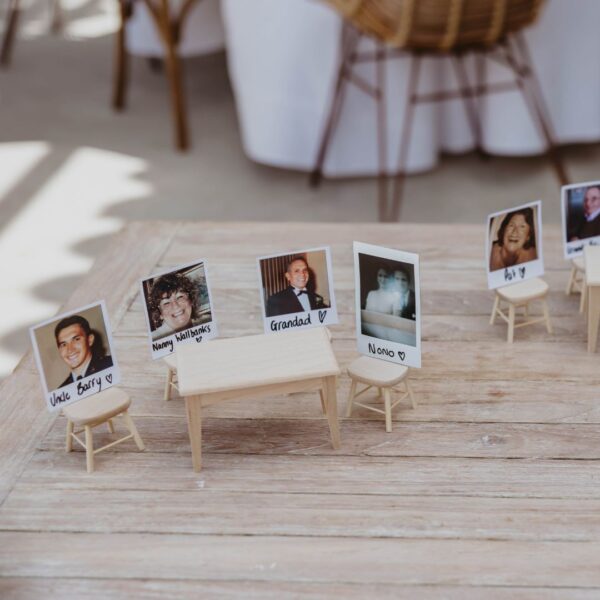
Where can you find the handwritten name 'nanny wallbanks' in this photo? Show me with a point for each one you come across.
(194, 332)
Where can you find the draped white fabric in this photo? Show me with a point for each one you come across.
(283, 59)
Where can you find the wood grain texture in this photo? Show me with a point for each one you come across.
(488, 489)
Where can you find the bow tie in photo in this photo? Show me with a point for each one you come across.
(302, 292)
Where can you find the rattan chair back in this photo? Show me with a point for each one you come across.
(438, 25)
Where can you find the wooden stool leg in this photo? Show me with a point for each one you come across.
(69, 436)
(511, 323)
(332, 417)
(121, 59)
(410, 394)
(583, 300)
(89, 449)
(111, 427)
(351, 398)
(323, 408)
(173, 65)
(593, 308)
(495, 309)
(9, 33)
(547, 316)
(132, 429)
(388, 409)
(571, 282)
(168, 384)
(526, 310)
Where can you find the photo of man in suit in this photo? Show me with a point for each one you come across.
(79, 348)
(297, 297)
(589, 226)
(404, 298)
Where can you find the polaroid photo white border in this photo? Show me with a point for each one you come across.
(200, 333)
(88, 386)
(523, 271)
(402, 354)
(305, 319)
(575, 249)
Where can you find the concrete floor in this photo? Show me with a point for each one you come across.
(74, 172)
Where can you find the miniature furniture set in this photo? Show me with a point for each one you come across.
(521, 295)
(592, 286)
(256, 366)
(94, 411)
(577, 281)
(385, 376)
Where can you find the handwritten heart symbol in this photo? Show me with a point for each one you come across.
(522, 271)
(199, 339)
(401, 355)
(322, 315)
(109, 378)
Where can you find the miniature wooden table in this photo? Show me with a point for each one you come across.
(255, 366)
(488, 489)
(592, 281)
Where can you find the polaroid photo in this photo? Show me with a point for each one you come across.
(296, 290)
(178, 308)
(514, 245)
(388, 304)
(74, 355)
(580, 208)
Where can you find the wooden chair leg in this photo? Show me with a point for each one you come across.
(89, 449)
(495, 309)
(413, 85)
(168, 384)
(410, 394)
(511, 323)
(133, 430)
(351, 398)
(526, 310)
(349, 41)
(9, 32)
(111, 427)
(57, 20)
(121, 59)
(69, 445)
(571, 282)
(173, 66)
(388, 409)
(583, 299)
(547, 316)
(322, 396)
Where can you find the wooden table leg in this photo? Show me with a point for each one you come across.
(593, 316)
(331, 406)
(193, 410)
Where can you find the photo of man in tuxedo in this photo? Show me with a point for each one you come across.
(404, 298)
(80, 349)
(589, 224)
(298, 295)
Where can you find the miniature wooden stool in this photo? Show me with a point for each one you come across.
(93, 411)
(172, 381)
(520, 295)
(577, 281)
(382, 375)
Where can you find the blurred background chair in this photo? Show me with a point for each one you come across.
(168, 30)
(453, 29)
(14, 9)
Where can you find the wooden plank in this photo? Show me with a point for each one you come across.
(112, 279)
(152, 589)
(275, 559)
(206, 511)
(310, 437)
(412, 476)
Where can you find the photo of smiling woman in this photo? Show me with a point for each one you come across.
(514, 238)
(177, 301)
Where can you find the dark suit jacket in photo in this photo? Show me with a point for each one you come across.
(409, 311)
(286, 302)
(97, 364)
(588, 229)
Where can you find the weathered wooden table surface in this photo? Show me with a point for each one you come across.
(489, 489)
